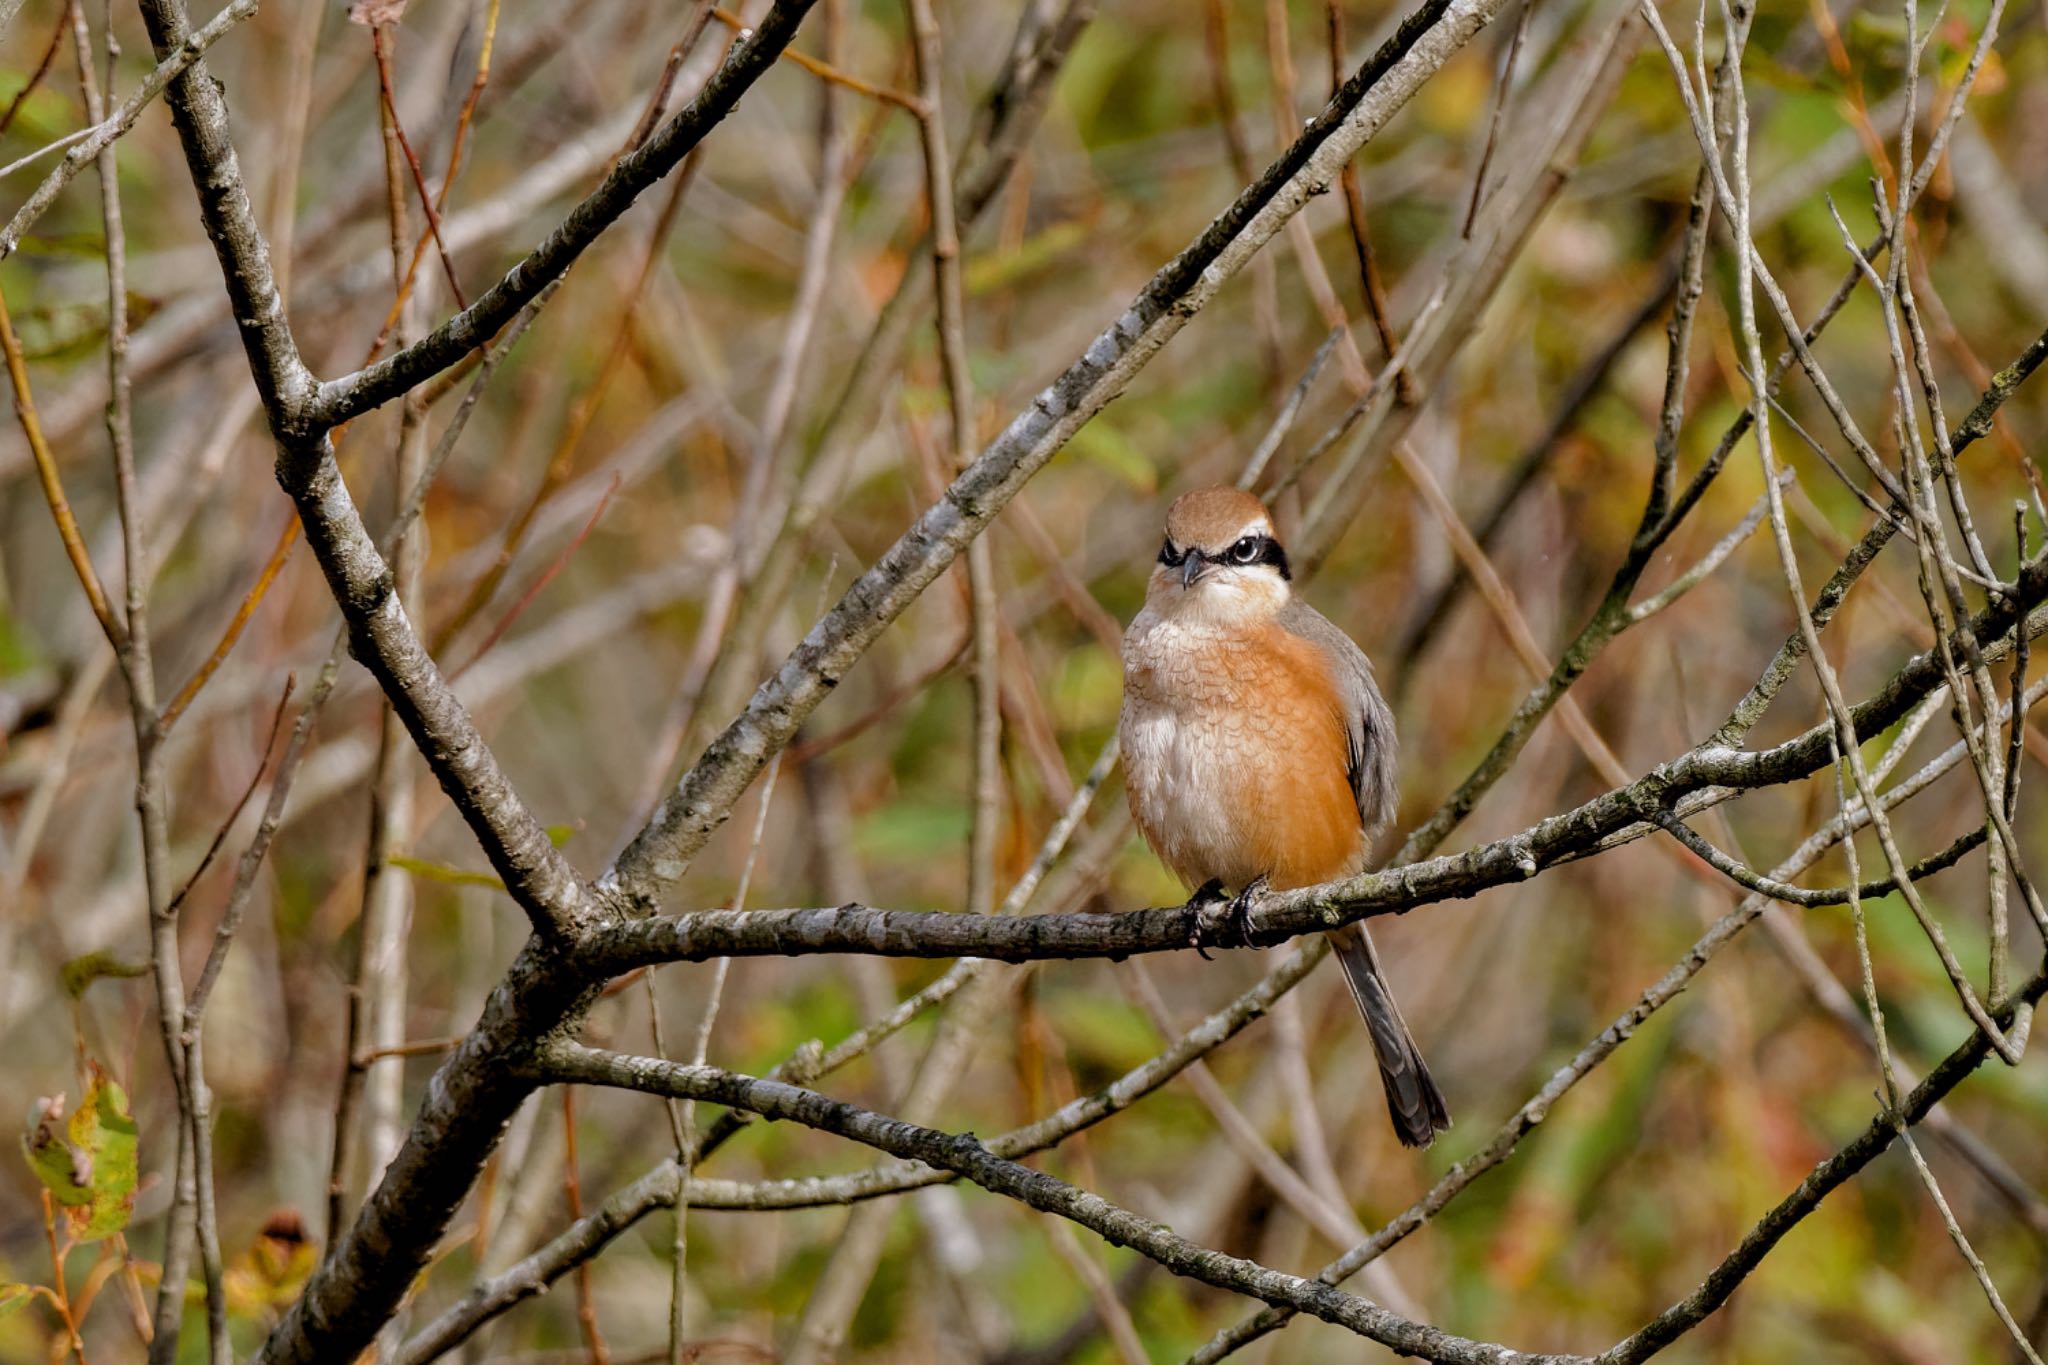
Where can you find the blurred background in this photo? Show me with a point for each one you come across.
(626, 426)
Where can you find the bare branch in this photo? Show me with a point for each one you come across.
(337, 400)
(1825, 1177)
(90, 142)
(964, 1156)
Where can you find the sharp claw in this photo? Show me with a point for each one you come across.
(1206, 898)
(1224, 917)
(1241, 906)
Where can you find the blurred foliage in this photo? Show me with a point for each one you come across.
(1638, 1182)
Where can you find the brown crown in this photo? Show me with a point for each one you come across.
(1210, 518)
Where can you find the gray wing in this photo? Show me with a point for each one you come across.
(1368, 724)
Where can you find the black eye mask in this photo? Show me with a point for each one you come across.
(1260, 549)
(1252, 549)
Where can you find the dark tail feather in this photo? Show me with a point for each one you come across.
(1413, 1102)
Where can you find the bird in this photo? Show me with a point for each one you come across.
(1258, 751)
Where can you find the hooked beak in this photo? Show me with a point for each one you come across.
(1192, 568)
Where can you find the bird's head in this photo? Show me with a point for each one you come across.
(1219, 561)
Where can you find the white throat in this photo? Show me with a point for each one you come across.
(1226, 598)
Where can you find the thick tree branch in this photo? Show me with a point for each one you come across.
(535, 872)
(382, 638)
(470, 1099)
(200, 111)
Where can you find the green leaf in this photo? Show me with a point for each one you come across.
(441, 872)
(105, 1130)
(81, 972)
(61, 1168)
(89, 1166)
(15, 1297)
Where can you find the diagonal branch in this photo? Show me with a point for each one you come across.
(338, 400)
(535, 872)
(102, 135)
(1881, 1132)
(200, 111)
(373, 1265)
(1538, 1108)
(962, 1154)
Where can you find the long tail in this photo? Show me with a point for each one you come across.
(1414, 1103)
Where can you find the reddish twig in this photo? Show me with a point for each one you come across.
(562, 462)
(572, 1189)
(35, 79)
(1354, 214)
(255, 780)
(467, 114)
(1500, 105)
(57, 1293)
(547, 576)
(422, 1048)
(381, 46)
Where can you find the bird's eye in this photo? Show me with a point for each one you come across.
(1246, 551)
(1169, 556)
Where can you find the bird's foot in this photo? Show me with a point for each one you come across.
(1220, 919)
(1240, 913)
(1207, 901)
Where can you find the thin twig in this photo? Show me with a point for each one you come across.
(380, 43)
(87, 148)
(1502, 86)
(572, 1190)
(687, 1146)
(246, 609)
(825, 70)
(235, 812)
(1369, 284)
(53, 484)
